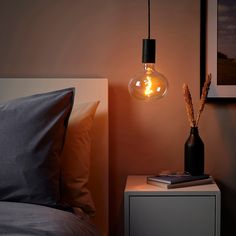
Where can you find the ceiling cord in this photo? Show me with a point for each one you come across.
(148, 19)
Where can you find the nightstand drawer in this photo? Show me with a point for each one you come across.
(154, 211)
(167, 215)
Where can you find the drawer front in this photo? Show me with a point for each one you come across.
(172, 216)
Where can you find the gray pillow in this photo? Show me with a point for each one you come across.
(32, 132)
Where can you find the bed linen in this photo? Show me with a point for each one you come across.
(23, 219)
(32, 134)
(76, 158)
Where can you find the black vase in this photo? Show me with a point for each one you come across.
(194, 153)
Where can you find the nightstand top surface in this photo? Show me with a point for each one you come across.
(138, 183)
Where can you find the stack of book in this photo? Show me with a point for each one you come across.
(179, 181)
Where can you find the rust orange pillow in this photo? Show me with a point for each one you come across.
(76, 158)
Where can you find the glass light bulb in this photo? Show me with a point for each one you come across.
(149, 85)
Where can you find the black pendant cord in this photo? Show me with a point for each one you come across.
(149, 45)
(149, 19)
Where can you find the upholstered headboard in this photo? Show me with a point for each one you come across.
(87, 89)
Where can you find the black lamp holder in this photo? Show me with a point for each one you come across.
(149, 45)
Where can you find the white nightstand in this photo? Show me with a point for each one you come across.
(154, 211)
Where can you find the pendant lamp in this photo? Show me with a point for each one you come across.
(149, 84)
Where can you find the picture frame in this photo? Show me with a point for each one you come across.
(213, 50)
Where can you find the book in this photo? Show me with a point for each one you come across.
(175, 178)
(169, 182)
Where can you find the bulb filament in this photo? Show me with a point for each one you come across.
(148, 86)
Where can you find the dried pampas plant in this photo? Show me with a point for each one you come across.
(189, 104)
(205, 89)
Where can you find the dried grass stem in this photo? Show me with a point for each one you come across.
(189, 104)
(205, 89)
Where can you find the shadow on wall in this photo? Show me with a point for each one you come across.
(125, 128)
(228, 209)
(227, 184)
(118, 97)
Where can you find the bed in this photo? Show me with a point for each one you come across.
(71, 204)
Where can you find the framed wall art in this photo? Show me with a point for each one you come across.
(218, 48)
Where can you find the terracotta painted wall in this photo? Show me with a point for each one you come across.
(103, 38)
